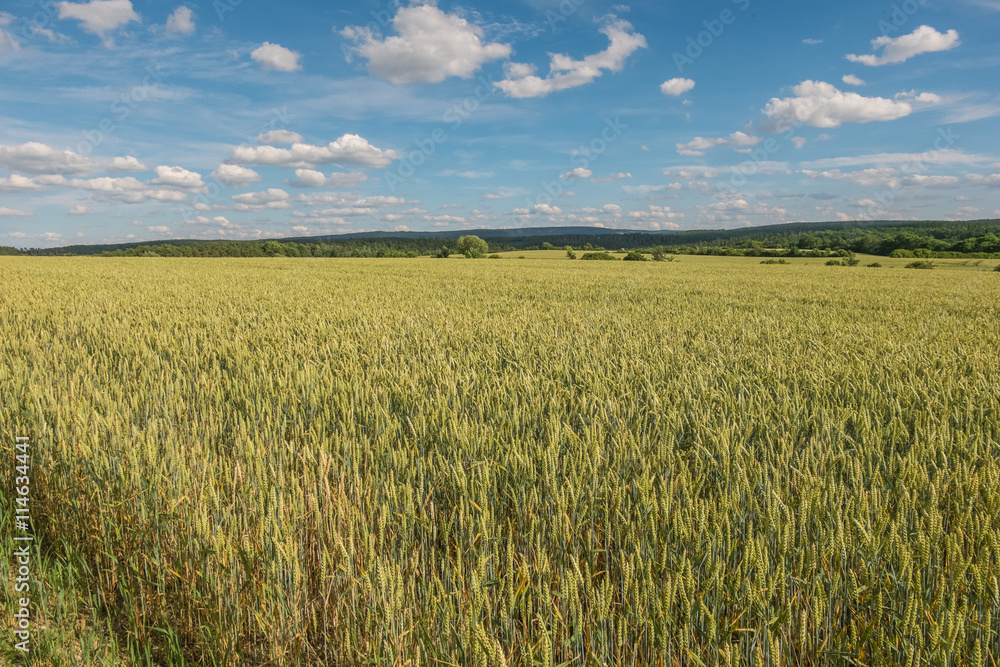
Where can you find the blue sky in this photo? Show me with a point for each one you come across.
(235, 119)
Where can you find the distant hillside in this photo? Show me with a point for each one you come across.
(980, 238)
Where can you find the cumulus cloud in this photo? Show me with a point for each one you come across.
(276, 57)
(277, 137)
(564, 72)
(235, 176)
(579, 172)
(348, 149)
(430, 47)
(310, 178)
(126, 164)
(80, 209)
(852, 80)
(676, 87)
(19, 183)
(217, 221)
(741, 142)
(36, 158)
(127, 190)
(272, 198)
(177, 177)
(924, 39)
(99, 17)
(657, 217)
(820, 104)
(181, 22)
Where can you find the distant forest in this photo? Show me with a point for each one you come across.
(978, 239)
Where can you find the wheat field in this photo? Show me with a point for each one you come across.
(517, 462)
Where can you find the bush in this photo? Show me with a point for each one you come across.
(548, 246)
(443, 252)
(598, 255)
(775, 261)
(900, 253)
(920, 264)
(874, 265)
(998, 268)
(635, 256)
(569, 253)
(834, 262)
(495, 257)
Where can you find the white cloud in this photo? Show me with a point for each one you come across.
(235, 176)
(738, 141)
(80, 209)
(820, 104)
(658, 217)
(799, 142)
(6, 18)
(275, 137)
(610, 178)
(348, 149)
(36, 158)
(579, 172)
(944, 156)
(852, 80)
(217, 221)
(992, 180)
(127, 164)
(127, 190)
(19, 183)
(177, 177)
(13, 212)
(159, 229)
(272, 198)
(811, 41)
(924, 39)
(885, 177)
(564, 72)
(676, 86)
(181, 22)
(430, 47)
(546, 209)
(309, 178)
(276, 57)
(99, 16)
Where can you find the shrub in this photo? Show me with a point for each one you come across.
(997, 268)
(569, 253)
(900, 253)
(775, 261)
(598, 255)
(874, 265)
(635, 256)
(920, 264)
(495, 257)
(834, 262)
(548, 246)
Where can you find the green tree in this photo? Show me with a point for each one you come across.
(472, 246)
(569, 252)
